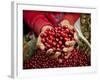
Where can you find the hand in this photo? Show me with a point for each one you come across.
(52, 54)
(71, 43)
(39, 44)
(71, 27)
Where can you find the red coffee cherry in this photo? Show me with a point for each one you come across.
(50, 41)
(60, 42)
(40, 60)
(43, 40)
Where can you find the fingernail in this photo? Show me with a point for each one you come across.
(65, 49)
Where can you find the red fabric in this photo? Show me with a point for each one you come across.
(71, 17)
(54, 18)
(37, 19)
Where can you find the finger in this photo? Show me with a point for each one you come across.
(70, 43)
(56, 55)
(49, 51)
(68, 49)
(68, 55)
(70, 27)
(76, 36)
(40, 44)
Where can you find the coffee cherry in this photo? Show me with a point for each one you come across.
(53, 33)
(57, 39)
(60, 60)
(51, 37)
(58, 46)
(67, 30)
(58, 49)
(45, 35)
(43, 40)
(50, 41)
(61, 38)
(48, 45)
(60, 42)
(66, 39)
(54, 43)
(58, 35)
(41, 35)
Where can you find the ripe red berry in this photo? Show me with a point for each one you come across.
(48, 45)
(67, 30)
(58, 49)
(61, 37)
(58, 45)
(53, 33)
(54, 48)
(41, 35)
(50, 41)
(66, 39)
(54, 43)
(60, 42)
(51, 37)
(43, 40)
(45, 35)
(57, 39)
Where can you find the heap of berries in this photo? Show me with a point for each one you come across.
(55, 38)
(40, 60)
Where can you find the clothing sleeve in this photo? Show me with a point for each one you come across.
(71, 17)
(35, 20)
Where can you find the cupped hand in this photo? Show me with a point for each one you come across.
(39, 44)
(66, 23)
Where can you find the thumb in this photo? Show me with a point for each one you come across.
(68, 49)
(40, 44)
(70, 43)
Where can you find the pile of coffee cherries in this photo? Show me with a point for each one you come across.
(40, 60)
(55, 38)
